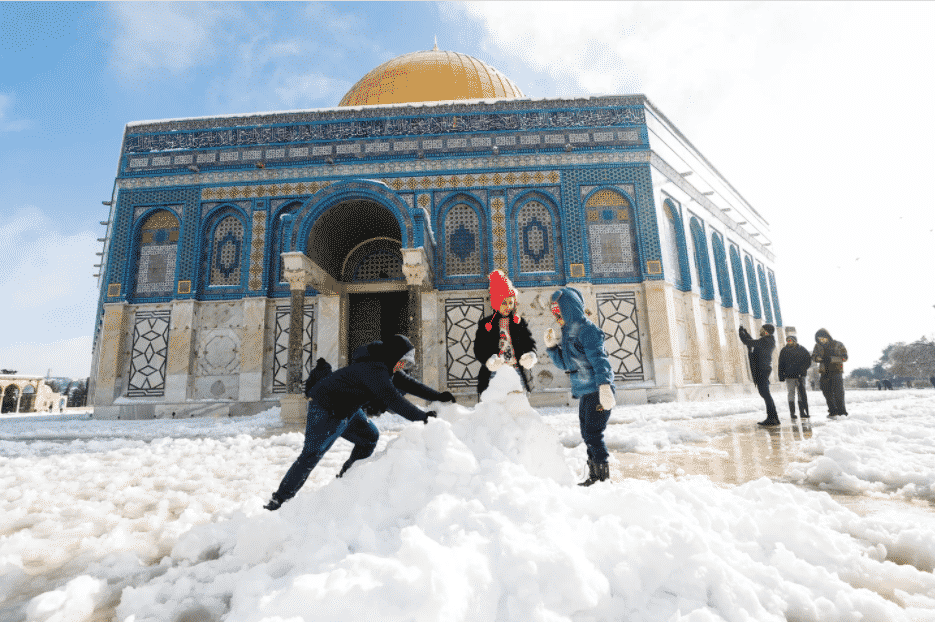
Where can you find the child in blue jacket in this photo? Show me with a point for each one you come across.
(580, 352)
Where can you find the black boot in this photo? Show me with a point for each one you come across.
(770, 420)
(274, 503)
(803, 409)
(792, 410)
(592, 473)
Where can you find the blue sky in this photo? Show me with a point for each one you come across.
(818, 113)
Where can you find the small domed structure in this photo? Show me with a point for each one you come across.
(430, 75)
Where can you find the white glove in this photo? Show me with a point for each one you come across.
(528, 360)
(550, 339)
(606, 397)
(495, 362)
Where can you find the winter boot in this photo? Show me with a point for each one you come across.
(592, 474)
(803, 409)
(770, 420)
(274, 503)
(792, 410)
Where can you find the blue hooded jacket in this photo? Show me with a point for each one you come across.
(581, 352)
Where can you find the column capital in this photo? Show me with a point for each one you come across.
(416, 268)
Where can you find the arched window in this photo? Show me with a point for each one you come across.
(226, 255)
(676, 255)
(158, 249)
(276, 244)
(535, 243)
(464, 246)
(751, 286)
(612, 235)
(702, 264)
(772, 289)
(737, 268)
(764, 291)
(720, 268)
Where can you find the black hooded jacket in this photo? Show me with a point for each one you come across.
(405, 383)
(367, 380)
(761, 354)
(794, 361)
(487, 343)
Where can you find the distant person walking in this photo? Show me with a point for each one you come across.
(831, 356)
(794, 361)
(932, 380)
(887, 385)
(760, 352)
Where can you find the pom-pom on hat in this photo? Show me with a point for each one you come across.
(500, 288)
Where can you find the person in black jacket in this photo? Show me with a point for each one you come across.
(794, 361)
(335, 410)
(503, 338)
(761, 366)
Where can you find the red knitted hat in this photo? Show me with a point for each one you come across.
(500, 288)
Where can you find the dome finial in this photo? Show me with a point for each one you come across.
(435, 49)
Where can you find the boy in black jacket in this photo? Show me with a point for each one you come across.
(794, 361)
(761, 365)
(335, 410)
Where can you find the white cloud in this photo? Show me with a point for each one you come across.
(50, 295)
(10, 125)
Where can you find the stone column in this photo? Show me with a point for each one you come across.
(292, 405)
(19, 396)
(178, 365)
(663, 338)
(251, 349)
(328, 328)
(113, 336)
(699, 319)
(432, 336)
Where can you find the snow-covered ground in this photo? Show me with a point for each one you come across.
(475, 516)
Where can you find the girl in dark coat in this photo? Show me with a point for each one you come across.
(503, 338)
(794, 361)
(761, 365)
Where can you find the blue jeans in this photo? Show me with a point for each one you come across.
(322, 429)
(593, 420)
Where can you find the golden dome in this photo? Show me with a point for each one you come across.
(431, 75)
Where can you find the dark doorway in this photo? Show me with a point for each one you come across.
(376, 316)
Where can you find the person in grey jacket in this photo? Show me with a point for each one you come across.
(580, 353)
(794, 361)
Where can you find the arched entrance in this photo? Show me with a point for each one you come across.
(359, 244)
(11, 398)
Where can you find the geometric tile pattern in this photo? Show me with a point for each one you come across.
(462, 238)
(499, 233)
(226, 258)
(617, 317)
(281, 346)
(159, 238)
(263, 190)
(612, 250)
(461, 318)
(256, 250)
(150, 349)
(438, 182)
(534, 233)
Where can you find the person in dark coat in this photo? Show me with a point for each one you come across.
(760, 352)
(581, 354)
(887, 385)
(335, 410)
(503, 338)
(794, 361)
(830, 356)
(932, 380)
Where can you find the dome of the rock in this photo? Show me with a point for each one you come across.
(430, 75)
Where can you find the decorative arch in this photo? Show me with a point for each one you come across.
(677, 256)
(775, 295)
(156, 239)
(537, 247)
(764, 292)
(751, 286)
(611, 224)
(225, 248)
(737, 268)
(464, 251)
(720, 269)
(701, 259)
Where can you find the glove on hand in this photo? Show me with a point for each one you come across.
(431, 414)
(447, 397)
(495, 362)
(528, 360)
(606, 397)
(551, 340)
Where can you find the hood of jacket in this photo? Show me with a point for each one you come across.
(571, 303)
(823, 333)
(388, 352)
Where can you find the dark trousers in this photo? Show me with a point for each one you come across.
(321, 431)
(832, 386)
(593, 419)
(762, 387)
